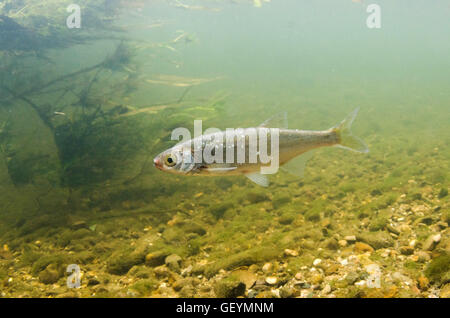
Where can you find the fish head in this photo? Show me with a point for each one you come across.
(178, 160)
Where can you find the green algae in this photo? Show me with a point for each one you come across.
(438, 270)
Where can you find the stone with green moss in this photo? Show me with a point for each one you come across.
(438, 270)
(229, 287)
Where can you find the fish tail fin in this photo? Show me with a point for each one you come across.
(346, 139)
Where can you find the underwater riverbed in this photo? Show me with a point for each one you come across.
(78, 185)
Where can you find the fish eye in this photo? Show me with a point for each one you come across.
(170, 161)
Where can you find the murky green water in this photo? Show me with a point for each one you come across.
(84, 111)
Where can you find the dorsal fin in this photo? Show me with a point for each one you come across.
(276, 121)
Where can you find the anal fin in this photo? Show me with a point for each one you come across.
(258, 179)
(296, 166)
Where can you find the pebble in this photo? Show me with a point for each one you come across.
(363, 247)
(271, 280)
(423, 282)
(350, 238)
(289, 252)
(406, 250)
(267, 267)
(326, 290)
(423, 256)
(431, 242)
(317, 261)
(173, 262)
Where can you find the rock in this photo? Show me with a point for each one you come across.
(351, 278)
(377, 240)
(181, 283)
(229, 287)
(423, 257)
(442, 193)
(187, 271)
(299, 276)
(162, 272)
(423, 282)
(246, 277)
(332, 244)
(267, 267)
(362, 247)
(431, 242)
(350, 238)
(326, 290)
(289, 252)
(281, 199)
(445, 291)
(316, 279)
(173, 262)
(79, 225)
(342, 243)
(399, 277)
(406, 250)
(286, 292)
(93, 282)
(155, 259)
(271, 280)
(317, 261)
(438, 270)
(121, 263)
(257, 197)
(50, 275)
(392, 229)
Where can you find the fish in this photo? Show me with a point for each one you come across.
(294, 149)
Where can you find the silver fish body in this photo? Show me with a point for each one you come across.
(234, 151)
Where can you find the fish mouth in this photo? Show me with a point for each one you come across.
(157, 163)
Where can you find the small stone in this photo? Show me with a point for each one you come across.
(267, 267)
(49, 275)
(79, 225)
(229, 287)
(155, 259)
(299, 276)
(445, 291)
(406, 250)
(423, 256)
(363, 247)
(342, 243)
(317, 261)
(316, 279)
(286, 292)
(271, 280)
(351, 278)
(289, 252)
(246, 277)
(431, 242)
(173, 262)
(350, 238)
(392, 229)
(326, 290)
(423, 282)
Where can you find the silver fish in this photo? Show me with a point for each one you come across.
(293, 149)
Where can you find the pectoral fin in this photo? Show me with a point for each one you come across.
(221, 169)
(258, 179)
